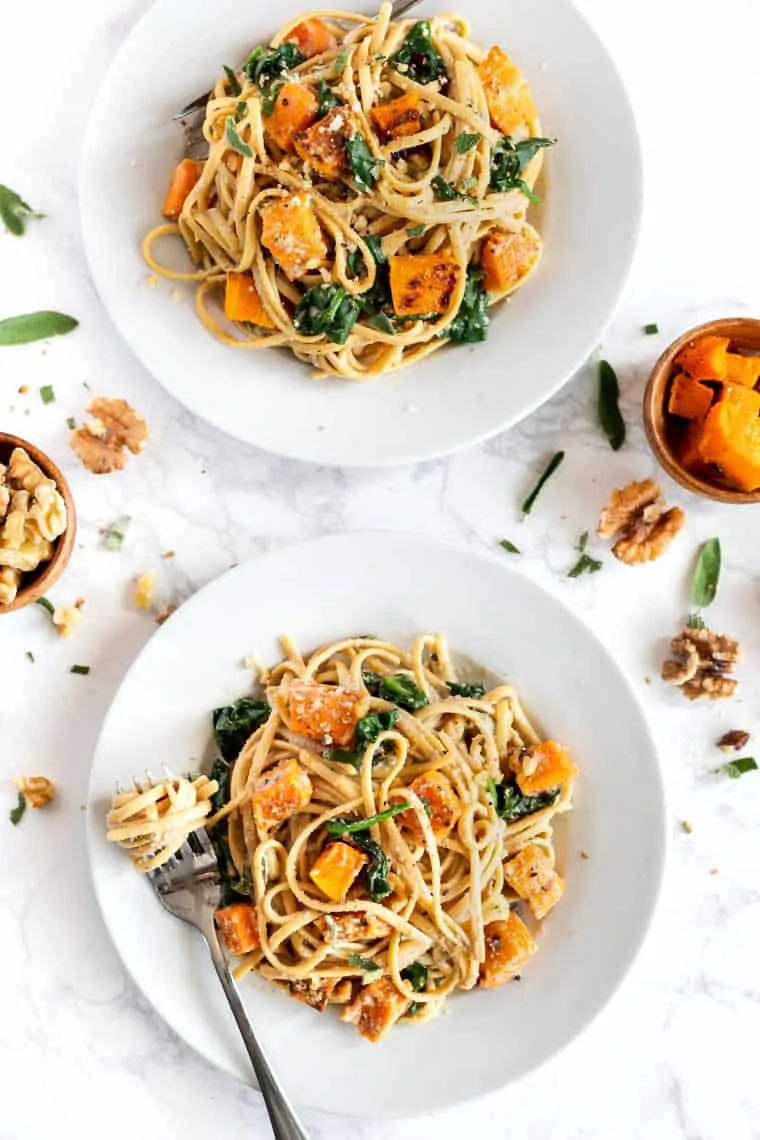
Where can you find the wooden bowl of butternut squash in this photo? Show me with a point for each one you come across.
(702, 410)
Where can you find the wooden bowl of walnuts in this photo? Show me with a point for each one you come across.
(37, 523)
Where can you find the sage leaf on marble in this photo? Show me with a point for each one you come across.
(35, 326)
(704, 585)
(610, 416)
(15, 212)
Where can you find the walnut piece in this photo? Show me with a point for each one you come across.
(36, 790)
(733, 741)
(103, 441)
(701, 664)
(143, 590)
(637, 513)
(32, 517)
(67, 618)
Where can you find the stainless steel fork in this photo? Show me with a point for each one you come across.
(189, 887)
(191, 117)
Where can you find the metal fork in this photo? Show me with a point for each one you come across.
(189, 887)
(191, 117)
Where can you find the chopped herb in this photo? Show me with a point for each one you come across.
(466, 141)
(71, 422)
(46, 605)
(511, 804)
(80, 670)
(355, 261)
(585, 565)
(114, 537)
(233, 724)
(736, 768)
(35, 326)
(426, 804)
(365, 168)
(234, 139)
(17, 813)
(383, 323)
(467, 689)
(47, 395)
(582, 543)
(651, 330)
(694, 621)
(30, 656)
(240, 110)
(327, 310)
(399, 688)
(551, 467)
(341, 61)
(444, 191)
(232, 79)
(508, 163)
(510, 547)
(378, 56)
(470, 325)
(610, 416)
(468, 183)
(416, 231)
(326, 98)
(417, 57)
(14, 211)
(704, 585)
(339, 827)
(364, 964)
(264, 65)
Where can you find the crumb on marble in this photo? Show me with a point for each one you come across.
(647, 680)
(165, 614)
(714, 871)
(36, 790)
(687, 825)
(151, 281)
(143, 590)
(168, 554)
(584, 855)
(24, 388)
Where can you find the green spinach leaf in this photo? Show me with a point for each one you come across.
(399, 688)
(234, 139)
(15, 212)
(338, 827)
(508, 162)
(233, 724)
(327, 310)
(470, 325)
(466, 141)
(376, 871)
(511, 804)
(264, 65)
(232, 79)
(365, 964)
(444, 191)
(736, 768)
(418, 58)
(365, 168)
(326, 98)
(467, 689)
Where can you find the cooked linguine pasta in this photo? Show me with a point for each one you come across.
(364, 197)
(383, 827)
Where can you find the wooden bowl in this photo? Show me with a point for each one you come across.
(36, 584)
(660, 428)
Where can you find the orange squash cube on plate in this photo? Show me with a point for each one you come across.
(279, 793)
(238, 927)
(398, 118)
(509, 945)
(323, 146)
(295, 109)
(742, 369)
(729, 438)
(443, 804)
(311, 37)
(422, 282)
(325, 713)
(545, 766)
(510, 103)
(290, 230)
(336, 869)
(243, 303)
(376, 1009)
(705, 358)
(184, 177)
(531, 874)
(507, 257)
(688, 398)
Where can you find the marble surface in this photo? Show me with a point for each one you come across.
(674, 1056)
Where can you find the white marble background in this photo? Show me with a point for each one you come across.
(675, 1056)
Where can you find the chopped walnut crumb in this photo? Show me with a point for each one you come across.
(733, 741)
(714, 871)
(143, 591)
(101, 443)
(168, 554)
(687, 825)
(701, 663)
(584, 855)
(23, 389)
(67, 618)
(165, 614)
(645, 526)
(36, 790)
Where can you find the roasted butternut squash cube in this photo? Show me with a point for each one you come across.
(311, 37)
(742, 369)
(509, 945)
(688, 398)
(326, 713)
(398, 118)
(184, 177)
(335, 870)
(508, 257)
(510, 103)
(544, 766)
(443, 804)
(294, 111)
(291, 232)
(279, 793)
(315, 992)
(376, 1009)
(728, 442)
(243, 303)
(238, 927)
(530, 873)
(353, 926)
(323, 146)
(423, 282)
(705, 358)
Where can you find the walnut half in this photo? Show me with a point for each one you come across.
(103, 441)
(701, 664)
(637, 513)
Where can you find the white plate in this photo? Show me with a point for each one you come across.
(396, 586)
(461, 395)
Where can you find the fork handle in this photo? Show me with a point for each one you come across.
(282, 1115)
